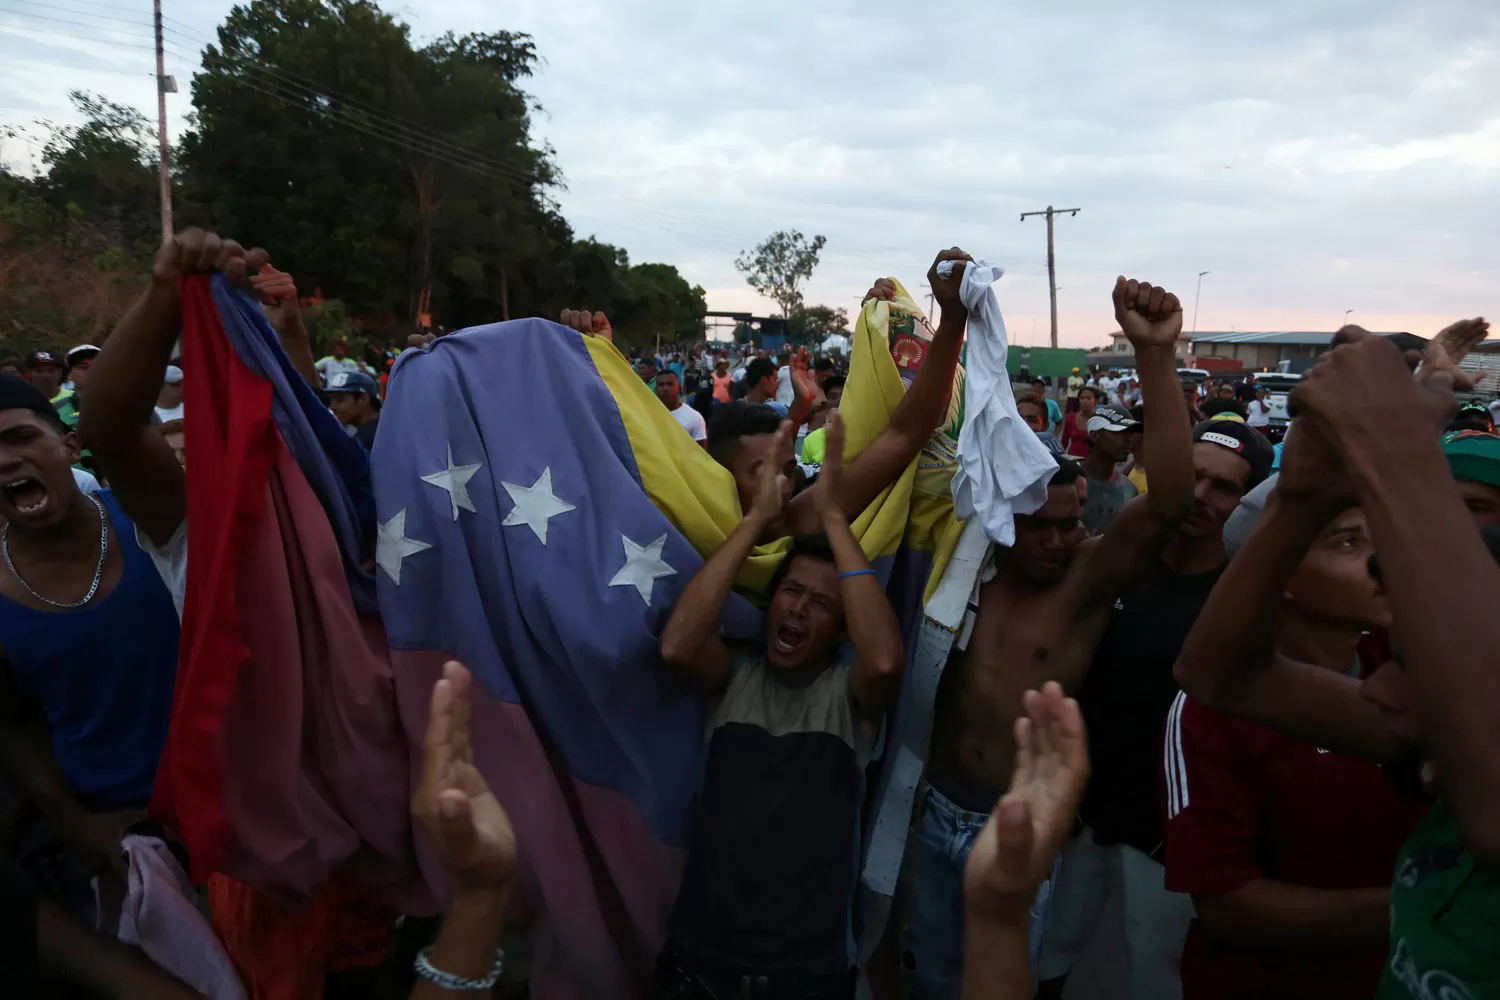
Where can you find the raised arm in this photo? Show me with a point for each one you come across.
(690, 641)
(872, 623)
(1151, 318)
(116, 419)
(1438, 574)
(918, 414)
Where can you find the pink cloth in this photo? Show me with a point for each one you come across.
(316, 773)
(158, 915)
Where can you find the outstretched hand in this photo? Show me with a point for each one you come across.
(590, 324)
(1148, 316)
(466, 823)
(1016, 849)
(196, 251)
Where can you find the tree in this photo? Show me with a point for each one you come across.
(779, 264)
(814, 324)
(105, 170)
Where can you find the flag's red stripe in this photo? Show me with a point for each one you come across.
(231, 441)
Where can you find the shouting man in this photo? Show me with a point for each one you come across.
(769, 881)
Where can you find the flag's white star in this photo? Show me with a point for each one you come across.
(392, 546)
(643, 567)
(535, 505)
(455, 479)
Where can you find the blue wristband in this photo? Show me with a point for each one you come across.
(856, 572)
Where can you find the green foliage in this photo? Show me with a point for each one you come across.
(377, 169)
(779, 264)
(327, 322)
(814, 324)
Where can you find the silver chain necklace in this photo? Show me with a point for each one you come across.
(98, 570)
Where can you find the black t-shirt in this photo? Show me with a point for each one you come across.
(1125, 703)
(365, 434)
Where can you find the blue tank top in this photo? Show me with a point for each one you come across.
(104, 674)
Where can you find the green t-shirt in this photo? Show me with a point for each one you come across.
(1445, 918)
(812, 448)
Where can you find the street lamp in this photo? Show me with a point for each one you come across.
(1198, 295)
(1346, 317)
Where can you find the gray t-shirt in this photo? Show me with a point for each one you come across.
(1104, 502)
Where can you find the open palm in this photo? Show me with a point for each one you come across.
(1014, 852)
(467, 824)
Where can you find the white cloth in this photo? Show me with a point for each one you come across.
(1003, 470)
(784, 393)
(1258, 417)
(692, 421)
(164, 414)
(329, 364)
(86, 481)
(170, 561)
(158, 915)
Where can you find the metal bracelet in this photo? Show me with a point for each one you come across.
(448, 981)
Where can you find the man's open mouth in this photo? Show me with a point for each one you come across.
(26, 494)
(788, 638)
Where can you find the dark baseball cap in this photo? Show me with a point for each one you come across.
(1230, 431)
(38, 358)
(18, 394)
(353, 382)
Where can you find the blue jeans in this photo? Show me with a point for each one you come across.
(933, 936)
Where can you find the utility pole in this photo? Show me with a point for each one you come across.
(164, 85)
(1196, 296)
(1050, 212)
(931, 301)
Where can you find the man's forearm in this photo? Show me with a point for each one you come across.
(1441, 582)
(872, 623)
(1232, 636)
(996, 966)
(126, 376)
(696, 617)
(469, 940)
(1168, 434)
(1279, 914)
(922, 408)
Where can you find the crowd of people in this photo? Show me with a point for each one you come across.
(1221, 701)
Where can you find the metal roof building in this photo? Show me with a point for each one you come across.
(1265, 349)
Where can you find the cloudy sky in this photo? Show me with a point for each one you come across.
(1313, 155)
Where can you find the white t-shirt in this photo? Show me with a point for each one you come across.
(1258, 417)
(328, 365)
(784, 393)
(692, 421)
(163, 414)
(171, 562)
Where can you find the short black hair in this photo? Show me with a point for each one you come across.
(1094, 391)
(665, 372)
(759, 369)
(823, 365)
(1214, 407)
(834, 382)
(813, 546)
(1068, 472)
(735, 420)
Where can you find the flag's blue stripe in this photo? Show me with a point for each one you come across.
(335, 464)
(538, 624)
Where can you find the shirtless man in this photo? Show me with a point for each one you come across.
(1038, 618)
